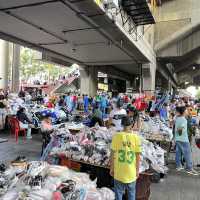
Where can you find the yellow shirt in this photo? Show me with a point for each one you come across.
(125, 146)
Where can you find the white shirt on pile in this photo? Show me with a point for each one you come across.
(116, 118)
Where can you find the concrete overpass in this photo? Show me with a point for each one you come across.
(78, 31)
(177, 39)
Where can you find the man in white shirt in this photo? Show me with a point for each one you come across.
(117, 114)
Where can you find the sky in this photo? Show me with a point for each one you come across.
(192, 90)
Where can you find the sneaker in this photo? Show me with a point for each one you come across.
(179, 169)
(192, 172)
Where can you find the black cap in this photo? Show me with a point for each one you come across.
(126, 121)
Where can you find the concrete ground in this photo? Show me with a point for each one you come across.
(176, 186)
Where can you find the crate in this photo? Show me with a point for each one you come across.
(143, 185)
(70, 164)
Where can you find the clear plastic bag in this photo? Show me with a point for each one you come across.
(93, 194)
(107, 194)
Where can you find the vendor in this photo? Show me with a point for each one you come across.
(46, 124)
(97, 116)
(134, 117)
(28, 98)
(116, 115)
(24, 121)
(125, 160)
(46, 130)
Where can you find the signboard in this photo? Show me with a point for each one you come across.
(102, 75)
(102, 86)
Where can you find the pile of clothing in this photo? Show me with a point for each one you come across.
(152, 157)
(92, 145)
(41, 181)
(153, 126)
(35, 111)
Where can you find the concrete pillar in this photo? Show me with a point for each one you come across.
(169, 86)
(149, 75)
(4, 63)
(84, 81)
(128, 84)
(88, 80)
(93, 82)
(15, 68)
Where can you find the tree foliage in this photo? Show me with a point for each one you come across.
(32, 68)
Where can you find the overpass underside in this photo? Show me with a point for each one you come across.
(79, 31)
(177, 42)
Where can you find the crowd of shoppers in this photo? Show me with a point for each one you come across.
(122, 113)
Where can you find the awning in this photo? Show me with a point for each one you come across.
(139, 11)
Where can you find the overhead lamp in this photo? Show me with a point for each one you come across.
(137, 78)
(193, 67)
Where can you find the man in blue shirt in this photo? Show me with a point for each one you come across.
(86, 103)
(103, 104)
(68, 102)
(182, 142)
(163, 113)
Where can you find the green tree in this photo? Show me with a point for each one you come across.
(30, 67)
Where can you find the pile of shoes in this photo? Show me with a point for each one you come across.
(7, 178)
(52, 183)
(89, 145)
(153, 127)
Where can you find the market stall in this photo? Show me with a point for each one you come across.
(88, 150)
(158, 132)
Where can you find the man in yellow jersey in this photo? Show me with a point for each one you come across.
(125, 160)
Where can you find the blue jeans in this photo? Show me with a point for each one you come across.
(120, 188)
(103, 110)
(73, 106)
(183, 148)
(86, 109)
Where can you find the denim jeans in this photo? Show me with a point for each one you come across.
(183, 148)
(85, 109)
(120, 188)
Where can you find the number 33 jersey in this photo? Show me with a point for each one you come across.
(125, 147)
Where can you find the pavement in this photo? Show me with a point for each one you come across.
(175, 186)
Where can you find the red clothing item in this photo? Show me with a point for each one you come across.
(140, 104)
(50, 105)
(74, 98)
(126, 99)
(57, 196)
